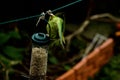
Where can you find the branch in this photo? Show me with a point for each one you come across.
(7, 75)
(81, 29)
(85, 24)
(108, 15)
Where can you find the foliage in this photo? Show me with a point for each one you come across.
(10, 54)
(110, 71)
(62, 60)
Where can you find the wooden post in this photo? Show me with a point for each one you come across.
(38, 65)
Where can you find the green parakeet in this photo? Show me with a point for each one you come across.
(55, 28)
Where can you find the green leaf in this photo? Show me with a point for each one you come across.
(13, 53)
(15, 34)
(4, 38)
(4, 60)
(7, 62)
(53, 60)
(67, 67)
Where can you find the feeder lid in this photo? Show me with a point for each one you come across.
(40, 39)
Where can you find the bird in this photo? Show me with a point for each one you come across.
(56, 27)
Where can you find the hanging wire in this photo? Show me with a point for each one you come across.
(66, 5)
(20, 19)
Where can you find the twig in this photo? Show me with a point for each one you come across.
(108, 15)
(85, 24)
(81, 29)
(21, 73)
(24, 67)
(90, 8)
(7, 75)
(76, 57)
(2, 64)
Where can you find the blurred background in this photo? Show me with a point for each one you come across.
(15, 37)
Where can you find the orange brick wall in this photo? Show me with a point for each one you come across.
(91, 64)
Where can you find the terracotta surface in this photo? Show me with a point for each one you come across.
(91, 64)
(70, 75)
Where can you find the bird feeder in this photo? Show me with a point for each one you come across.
(38, 64)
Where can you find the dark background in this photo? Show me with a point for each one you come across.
(13, 9)
(19, 8)
(22, 8)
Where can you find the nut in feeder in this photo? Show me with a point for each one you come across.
(38, 65)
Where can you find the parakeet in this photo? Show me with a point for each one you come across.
(55, 28)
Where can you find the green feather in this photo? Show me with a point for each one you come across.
(56, 28)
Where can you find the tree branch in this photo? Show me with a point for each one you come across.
(85, 24)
